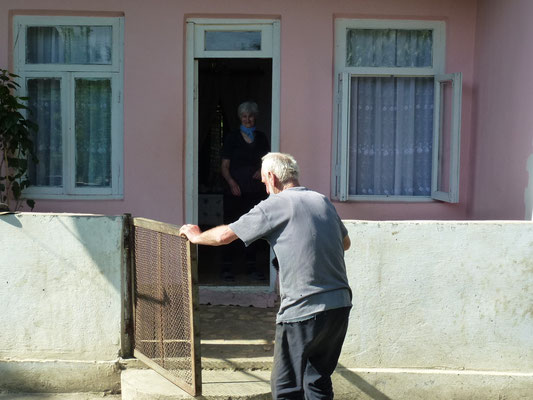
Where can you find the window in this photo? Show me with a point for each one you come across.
(235, 39)
(71, 70)
(398, 116)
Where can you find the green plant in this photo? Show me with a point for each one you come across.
(16, 145)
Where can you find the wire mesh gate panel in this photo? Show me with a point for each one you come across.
(166, 335)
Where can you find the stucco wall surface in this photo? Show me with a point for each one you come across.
(155, 82)
(60, 287)
(441, 295)
(502, 173)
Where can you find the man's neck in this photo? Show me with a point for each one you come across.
(290, 184)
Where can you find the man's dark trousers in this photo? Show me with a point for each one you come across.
(306, 354)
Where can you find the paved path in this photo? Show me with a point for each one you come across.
(237, 336)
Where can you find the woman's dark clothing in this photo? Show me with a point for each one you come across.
(245, 160)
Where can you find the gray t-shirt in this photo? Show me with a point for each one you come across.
(306, 233)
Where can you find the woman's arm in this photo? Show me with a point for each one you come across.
(235, 189)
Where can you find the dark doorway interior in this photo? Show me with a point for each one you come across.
(223, 84)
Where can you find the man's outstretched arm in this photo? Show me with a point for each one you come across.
(217, 236)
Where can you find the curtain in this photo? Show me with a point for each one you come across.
(93, 132)
(45, 105)
(389, 48)
(391, 118)
(69, 45)
(391, 134)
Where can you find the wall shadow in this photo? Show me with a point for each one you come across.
(357, 381)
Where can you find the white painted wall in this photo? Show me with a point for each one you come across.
(61, 296)
(441, 295)
(439, 307)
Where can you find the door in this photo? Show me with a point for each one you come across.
(224, 84)
(230, 61)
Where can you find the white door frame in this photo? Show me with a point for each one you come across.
(194, 51)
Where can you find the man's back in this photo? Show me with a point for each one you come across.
(306, 234)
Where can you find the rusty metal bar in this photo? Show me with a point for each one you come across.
(165, 373)
(194, 316)
(156, 226)
(160, 322)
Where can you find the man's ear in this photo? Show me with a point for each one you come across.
(277, 183)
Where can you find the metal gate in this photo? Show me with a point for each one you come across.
(165, 300)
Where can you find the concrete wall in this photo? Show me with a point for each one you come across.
(437, 299)
(502, 173)
(154, 97)
(441, 309)
(61, 291)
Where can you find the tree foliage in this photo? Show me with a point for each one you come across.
(16, 145)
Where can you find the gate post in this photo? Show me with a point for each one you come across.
(127, 333)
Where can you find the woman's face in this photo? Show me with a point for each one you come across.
(247, 119)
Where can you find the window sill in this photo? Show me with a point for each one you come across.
(388, 199)
(35, 196)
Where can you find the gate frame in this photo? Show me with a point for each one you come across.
(192, 267)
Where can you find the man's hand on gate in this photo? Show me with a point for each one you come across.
(190, 231)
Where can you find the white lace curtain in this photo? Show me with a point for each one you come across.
(69, 45)
(391, 118)
(45, 104)
(91, 109)
(93, 132)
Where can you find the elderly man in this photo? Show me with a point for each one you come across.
(309, 241)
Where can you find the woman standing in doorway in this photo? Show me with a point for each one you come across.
(241, 169)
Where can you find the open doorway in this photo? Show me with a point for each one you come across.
(223, 84)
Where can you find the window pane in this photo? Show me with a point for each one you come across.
(233, 40)
(391, 135)
(69, 44)
(44, 101)
(93, 132)
(389, 48)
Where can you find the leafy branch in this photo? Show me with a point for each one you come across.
(16, 145)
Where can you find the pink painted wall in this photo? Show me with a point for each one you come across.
(503, 113)
(154, 93)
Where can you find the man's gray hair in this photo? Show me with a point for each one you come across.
(283, 165)
(248, 107)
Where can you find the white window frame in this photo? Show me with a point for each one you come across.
(68, 73)
(452, 196)
(341, 138)
(207, 25)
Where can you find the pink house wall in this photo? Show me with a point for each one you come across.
(503, 113)
(154, 120)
